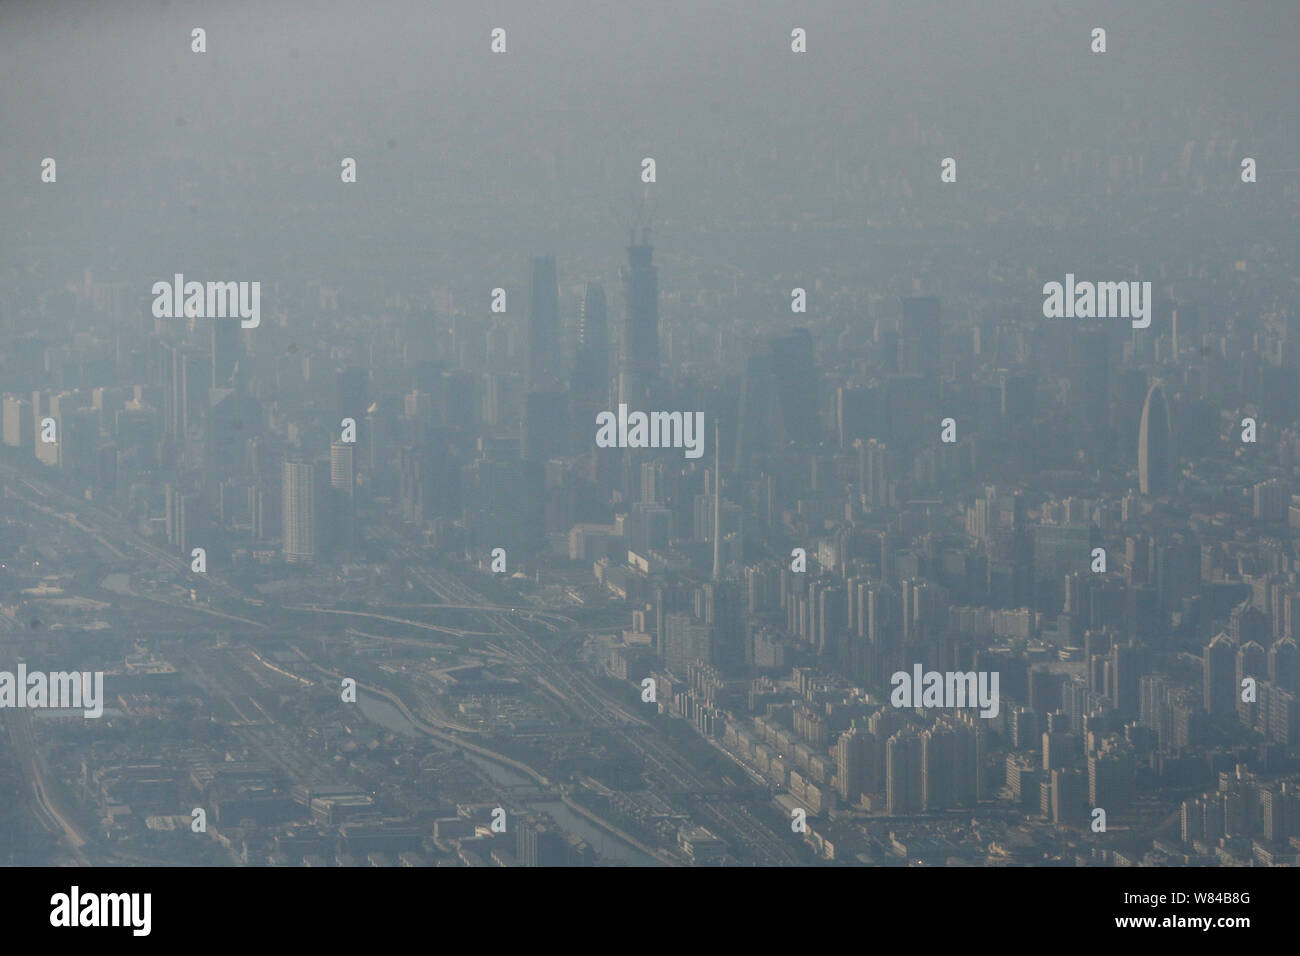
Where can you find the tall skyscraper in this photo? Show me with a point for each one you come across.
(343, 467)
(1156, 474)
(591, 370)
(298, 510)
(796, 386)
(639, 355)
(543, 325)
(185, 391)
(589, 384)
(873, 473)
(1089, 376)
(1218, 672)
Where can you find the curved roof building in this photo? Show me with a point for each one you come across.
(1156, 471)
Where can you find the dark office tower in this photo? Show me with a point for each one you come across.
(589, 389)
(351, 385)
(299, 496)
(758, 426)
(910, 411)
(591, 370)
(233, 418)
(724, 613)
(375, 436)
(1125, 680)
(1068, 791)
(918, 337)
(1218, 669)
(639, 354)
(1112, 779)
(543, 325)
(873, 473)
(1156, 475)
(1129, 385)
(796, 387)
(226, 351)
(1089, 376)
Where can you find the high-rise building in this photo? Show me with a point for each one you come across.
(589, 383)
(18, 423)
(938, 762)
(1112, 778)
(298, 509)
(1156, 473)
(184, 517)
(855, 763)
(795, 377)
(639, 353)
(903, 773)
(1069, 792)
(873, 473)
(544, 372)
(343, 466)
(685, 640)
(1284, 664)
(185, 391)
(1089, 376)
(591, 368)
(1252, 661)
(1218, 671)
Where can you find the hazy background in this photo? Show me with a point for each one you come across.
(227, 163)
